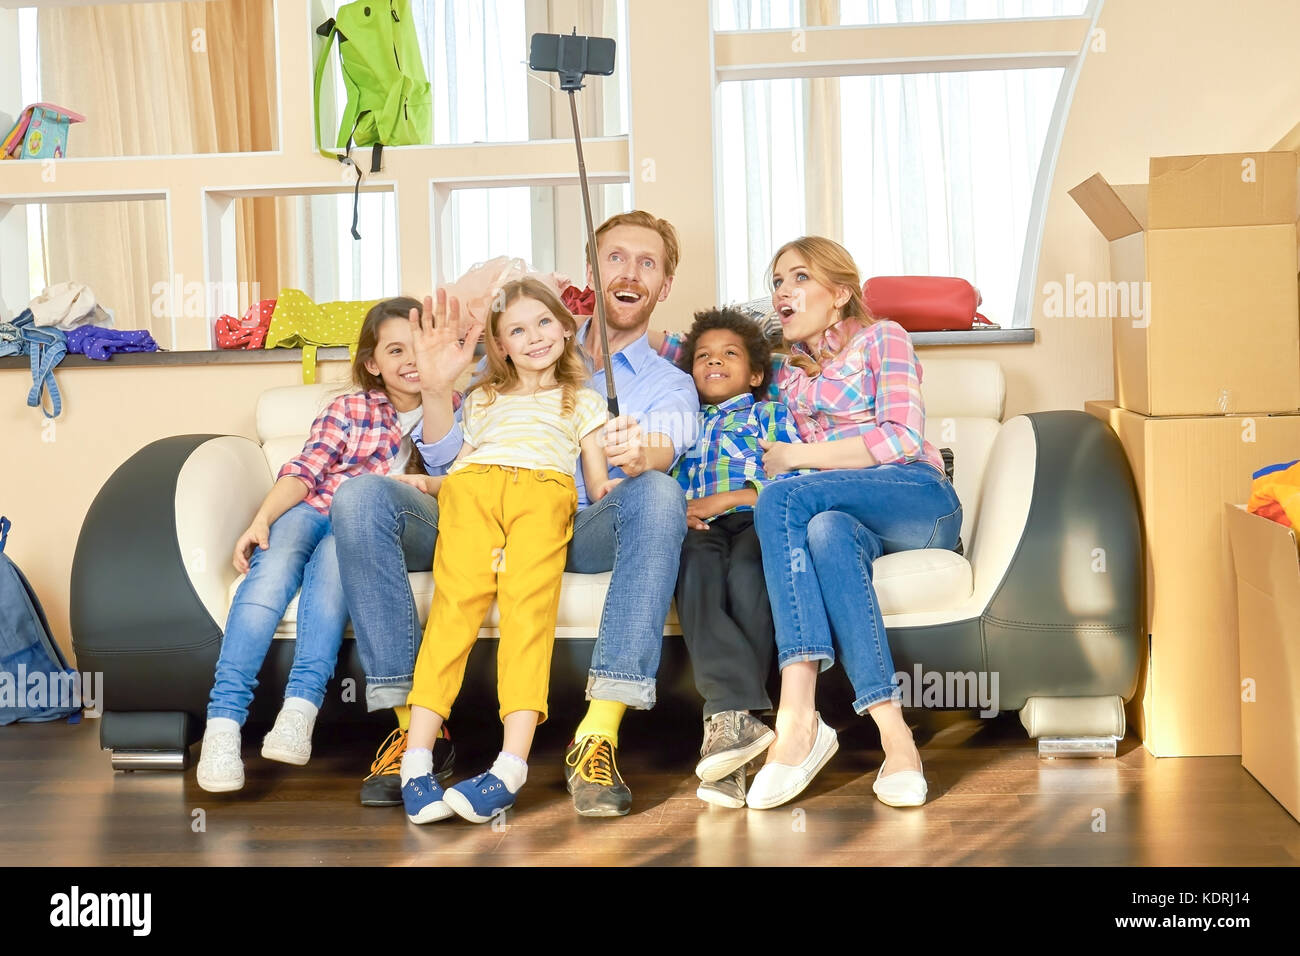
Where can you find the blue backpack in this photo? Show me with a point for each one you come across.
(28, 648)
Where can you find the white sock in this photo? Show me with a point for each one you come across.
(416, 763)
(512, 771)
(217, 724)
(303, 706)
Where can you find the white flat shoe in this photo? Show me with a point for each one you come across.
(907, 788)
(290, 739)
(778, 783)
(221, 769)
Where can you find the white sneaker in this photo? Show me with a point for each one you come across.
(779, 783)
(907, 788)
(220, 767)
(290, 739)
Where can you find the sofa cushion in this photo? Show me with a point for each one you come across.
(925, 580)
(928, 580)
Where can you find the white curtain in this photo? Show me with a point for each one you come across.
(934, 172)
(780, 14)
(476, 55)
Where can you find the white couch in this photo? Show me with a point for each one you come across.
(1039, 493)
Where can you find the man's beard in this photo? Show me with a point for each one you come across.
(623, 321)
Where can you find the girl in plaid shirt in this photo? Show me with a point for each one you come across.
(289, 547)
(853, 385)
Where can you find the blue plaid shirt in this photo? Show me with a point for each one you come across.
(727, 456)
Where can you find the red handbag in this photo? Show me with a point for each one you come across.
(248, 332)
(924, 303)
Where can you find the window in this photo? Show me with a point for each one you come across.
(924, 174)
(153, 79)
(475, 56)
(131, 281)
(544, 225)
(316, 252)
(778, 14)
(933, 160)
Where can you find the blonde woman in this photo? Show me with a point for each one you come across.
(853, 387)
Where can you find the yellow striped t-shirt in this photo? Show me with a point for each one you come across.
(529, 431)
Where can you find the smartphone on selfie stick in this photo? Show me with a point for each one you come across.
(574, 57)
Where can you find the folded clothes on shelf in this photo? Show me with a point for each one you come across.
(66, 305)
(100, 343)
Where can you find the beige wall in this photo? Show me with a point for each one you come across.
(50, 474)
(1208, 78)
(1195, 76)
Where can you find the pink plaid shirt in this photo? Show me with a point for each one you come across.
(871, 389)
(356, 434)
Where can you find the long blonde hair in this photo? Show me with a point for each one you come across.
(831, 265)
(500, 373)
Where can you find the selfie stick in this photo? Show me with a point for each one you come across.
(611, 394)
(570, 82)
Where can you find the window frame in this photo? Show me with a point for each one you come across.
(200, 189)
(956, 46)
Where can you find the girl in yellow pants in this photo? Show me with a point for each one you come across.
(506, 512)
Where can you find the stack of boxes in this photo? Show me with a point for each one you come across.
(1207, 376)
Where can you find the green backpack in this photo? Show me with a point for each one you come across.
(389, 99)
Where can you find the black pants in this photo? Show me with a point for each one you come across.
(726, 619)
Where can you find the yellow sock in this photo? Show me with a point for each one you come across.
(603, 718)
(403, 716)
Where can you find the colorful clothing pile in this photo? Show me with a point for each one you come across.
(1275, 493)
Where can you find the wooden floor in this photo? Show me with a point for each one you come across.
(992, 801)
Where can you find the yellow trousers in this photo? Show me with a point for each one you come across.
(504, 533)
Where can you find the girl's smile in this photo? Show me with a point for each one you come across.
(394, 363)
(530, 336)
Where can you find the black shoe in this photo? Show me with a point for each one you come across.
(383, 788)
(592, 776)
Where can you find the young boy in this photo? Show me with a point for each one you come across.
(721, 598)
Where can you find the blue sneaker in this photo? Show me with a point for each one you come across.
(479, 799)
(422, 797)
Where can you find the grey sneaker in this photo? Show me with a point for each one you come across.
(731, 740)
(727, 792)
(591, 773)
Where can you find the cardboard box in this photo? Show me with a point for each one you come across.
(1202, 297)
(1186, 469)
(1268, 617)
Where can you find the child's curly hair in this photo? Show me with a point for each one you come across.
(745, 328)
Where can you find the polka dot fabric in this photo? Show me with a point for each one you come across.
(298, 322)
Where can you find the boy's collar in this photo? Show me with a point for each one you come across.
(736, 402)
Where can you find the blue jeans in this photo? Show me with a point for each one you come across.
(301, 555)
(636, 531)
(819, 535)
(385, 529)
